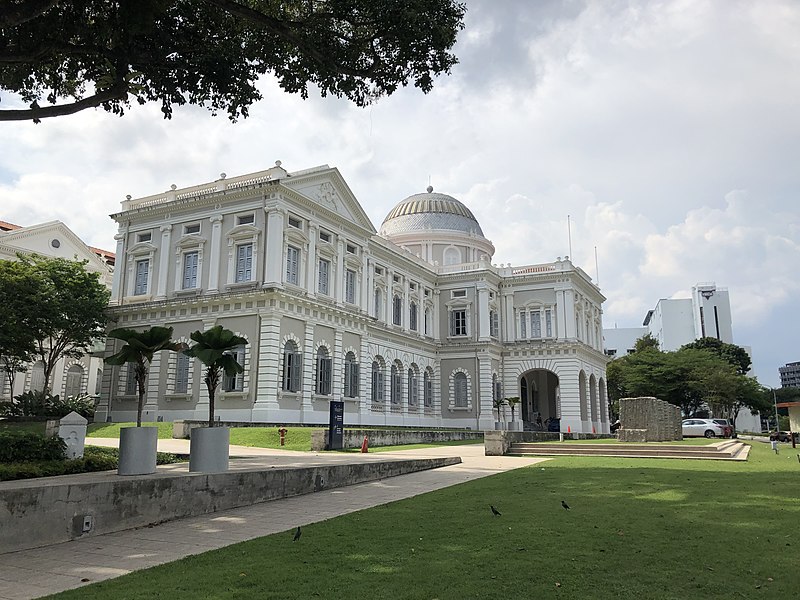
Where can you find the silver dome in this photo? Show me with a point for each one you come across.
(430, 210)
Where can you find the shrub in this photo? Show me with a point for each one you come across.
(18, 446)
(83, 405)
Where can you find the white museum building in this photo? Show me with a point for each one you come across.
(71, 376)
(410, 325)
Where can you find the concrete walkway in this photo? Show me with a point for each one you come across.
(42, 571)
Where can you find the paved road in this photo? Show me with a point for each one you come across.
(41, 571)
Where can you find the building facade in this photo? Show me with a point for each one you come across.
(411, 325)
(71, 376)
(790, 374)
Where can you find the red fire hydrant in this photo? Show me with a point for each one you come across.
(282, 433)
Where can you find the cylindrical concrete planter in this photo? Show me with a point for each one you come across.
(208, 449)
(498, 426)
(137, 450)
(514, 426)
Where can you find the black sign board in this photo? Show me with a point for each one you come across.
(336, 426)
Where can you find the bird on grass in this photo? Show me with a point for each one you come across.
(495, 512)
(565, 505)
(297, 534)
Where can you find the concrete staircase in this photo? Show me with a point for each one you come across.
(725, 450)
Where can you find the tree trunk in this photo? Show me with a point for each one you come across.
(212, 382)
(140, 372)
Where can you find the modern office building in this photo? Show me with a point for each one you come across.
(790, 374)
(408, 325)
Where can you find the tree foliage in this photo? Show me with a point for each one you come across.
(646, 342)
(213, 348)
(735, 355)
(139, 349)
(690, 377)
(17, 318)
(65, 309)
(211, 52)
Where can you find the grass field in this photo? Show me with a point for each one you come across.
(637, 528)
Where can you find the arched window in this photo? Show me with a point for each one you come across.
(452, 256)
(131, 387)
(292, 367)
(350, 376)
(324, 367)
(74, 380)
(413, 387)
(427, 388)
(235, 383)
(397, 310)
(412, 316)
(37, 377)
(377, 381)
(460, 390)
(396, 386)
(182, 373)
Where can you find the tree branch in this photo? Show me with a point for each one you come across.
(11, 16)
(288, 33)
(118, 92)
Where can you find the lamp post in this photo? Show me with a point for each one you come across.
(775, 403)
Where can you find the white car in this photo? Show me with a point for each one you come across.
(702, 428)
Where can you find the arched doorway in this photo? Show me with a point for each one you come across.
(539, 397)
(584, 402)
(593, 398)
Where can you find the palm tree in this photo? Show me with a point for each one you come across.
(512, 403)
(213, 349)
(498, 404)
(139, 348)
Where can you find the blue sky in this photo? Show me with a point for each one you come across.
(667, 131)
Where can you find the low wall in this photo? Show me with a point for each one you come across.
(497, 443)
(654, 419)
(39, 512)
(353, 438)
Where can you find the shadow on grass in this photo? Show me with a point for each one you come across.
(636, 529)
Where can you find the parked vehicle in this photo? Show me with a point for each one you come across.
(781, 436)
(702, 428)
(726, 425)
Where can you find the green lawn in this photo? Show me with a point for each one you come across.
(297, 438)
(32, 426)
(111, 430)
(414, 446)
(637, 528)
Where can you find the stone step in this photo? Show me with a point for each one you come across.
(732, 450)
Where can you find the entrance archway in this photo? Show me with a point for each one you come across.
(539, 397)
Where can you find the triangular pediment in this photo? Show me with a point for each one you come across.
(326, 188)
(54, 239)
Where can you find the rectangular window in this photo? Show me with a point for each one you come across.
(245, 219)
(377, 385)
(292, 264)
(378, 271)
(324, 275)
(412, 317)
(244, 262)
(523, 328)
(182, 374)
(325, 236)
(295, 223)
(142, 272)
(190, 260)
(235, 383)
(427, 321)
(459, 294)
(350, 286)
(548, 322)
(397, 311)
(144, 237)
(190, 229)
(536, 324)
(458, 322)
(494, 324)
(324, 367)
(351, 249)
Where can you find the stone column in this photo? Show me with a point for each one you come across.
(483, 313)
(268, 376)
(163, 262)
(117, 293)
(339, 277)
(406, 304)
(309, 379)
(215, 253)
(337, 385)
(484, 392)
(273, 260)
(365, 281)
(312, 263)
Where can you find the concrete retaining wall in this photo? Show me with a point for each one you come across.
(353, 438)
(39, 512)
(497, 443)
